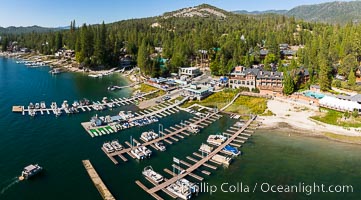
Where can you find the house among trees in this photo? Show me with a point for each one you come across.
(263, 53)
(286, 51)
(125, 61)
(303, 76)
(65, 53)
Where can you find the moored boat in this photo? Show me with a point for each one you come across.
(216, 139)
(160, 146)
(232, 150)
(152, 175)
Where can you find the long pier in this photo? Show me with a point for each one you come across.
(103, 190)
(199, 163)
(212, 117)
(115, 102)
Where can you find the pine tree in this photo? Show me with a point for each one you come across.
(325, 75)
(288, 84)
(4, 43)
(351, 78)
(58, 41)
(143, 57)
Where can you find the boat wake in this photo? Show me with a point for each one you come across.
(9, 184)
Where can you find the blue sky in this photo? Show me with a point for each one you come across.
(54, 13)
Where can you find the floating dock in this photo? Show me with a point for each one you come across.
(84, 108)
(165, 137)
(103, 190)
(191, 168)
(150, 112)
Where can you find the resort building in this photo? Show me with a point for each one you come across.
(189, 71)
(269, 82)
(198, 91)
(243, 77)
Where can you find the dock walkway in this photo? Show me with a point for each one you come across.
(103, 190)
(212, 116)
(199, 163)
(84, 108)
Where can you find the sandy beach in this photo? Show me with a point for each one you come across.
(297, 116)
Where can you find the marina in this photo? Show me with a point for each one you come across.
(214, 156)
(163, 136)
(77, 106)
(113, 124)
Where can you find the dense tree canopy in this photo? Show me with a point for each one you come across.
(235, 40)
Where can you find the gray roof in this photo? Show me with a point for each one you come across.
(356, 98)
(344, 97)
(263, 52)
(288, 52)
(253, 71)
(271, 75)
(315, 86)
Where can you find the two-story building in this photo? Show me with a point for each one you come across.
(189, 71)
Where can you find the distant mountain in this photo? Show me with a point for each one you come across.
(260, 12)
(203, 10)
(333, 12)
(27, 29)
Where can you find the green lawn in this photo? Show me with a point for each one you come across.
(219, 99)
(243, 104)
(247, 104)
(147, 88)
(336, 118)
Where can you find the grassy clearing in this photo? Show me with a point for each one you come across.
(337, 118)
(147, 88)
(219, 99)
(344, 138)
(243, 104)
(246, 105)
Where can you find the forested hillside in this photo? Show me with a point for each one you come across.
(229, 39)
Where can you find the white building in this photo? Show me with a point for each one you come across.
(198, 91)
(189, 71)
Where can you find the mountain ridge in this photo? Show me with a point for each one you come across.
(336, 12)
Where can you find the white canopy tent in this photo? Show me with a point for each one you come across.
(339, 104)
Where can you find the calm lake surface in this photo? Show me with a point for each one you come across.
(60, 144)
